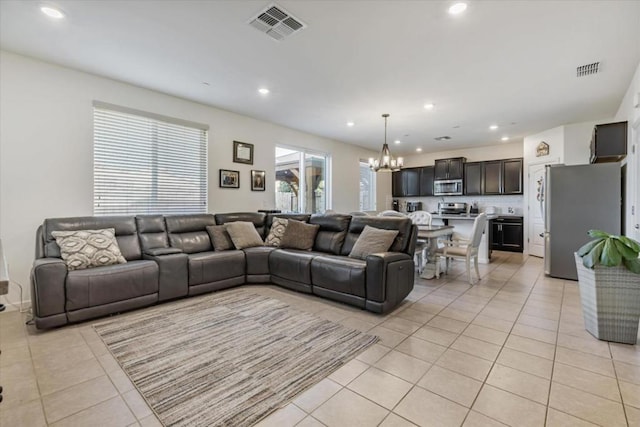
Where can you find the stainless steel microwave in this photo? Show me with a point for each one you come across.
(448, 187)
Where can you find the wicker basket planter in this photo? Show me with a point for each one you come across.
(610, 302)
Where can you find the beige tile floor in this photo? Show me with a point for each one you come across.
(511, 350)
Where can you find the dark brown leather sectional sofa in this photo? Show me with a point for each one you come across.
(170, 257)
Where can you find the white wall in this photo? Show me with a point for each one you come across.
(46, 151)
(631, 113)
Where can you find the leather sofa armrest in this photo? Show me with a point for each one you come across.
(382, 268)
(173, 268)
(48, 295)
(162, 251)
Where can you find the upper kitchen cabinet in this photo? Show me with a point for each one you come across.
(512, 176)
(492, 177)
(449, 168)
(473, 178)
(406, 183)
(609, 142)
(502, 177)
(426, 180)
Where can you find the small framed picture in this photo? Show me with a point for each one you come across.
(229, 179)
(257, 180)
(242, 152)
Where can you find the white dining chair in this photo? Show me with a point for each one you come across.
(391, 213)
(420, 218)
(464, 249)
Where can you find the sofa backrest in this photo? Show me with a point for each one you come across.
(189, 233)
(257, 218)
(402, 242)
(152, 231)
(332, 232)
(125, 226)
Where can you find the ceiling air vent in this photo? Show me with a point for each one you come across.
(442, 138)
(588, 69)
(276, 22)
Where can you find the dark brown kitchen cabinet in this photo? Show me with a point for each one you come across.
(609, 142)
(492, 177)
(426, 181)
(506, 234)
(449, 168)
(502, 176)
(473, 178)
(406, 183)
(512, 176)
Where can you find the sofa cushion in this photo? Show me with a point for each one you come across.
(257, 259)
(292, 264)
(189, 232)
(256, 218)
(220, 238)
(125, 226)
(333, 229)
(278, 227)
(299, 235)
(104, 285)
(82, 249)
(401, 243)
(152, 232)
(208, 267)
(243, 234)
(340, 274)
(371, 241)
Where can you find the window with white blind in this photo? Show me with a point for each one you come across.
(367, 187)
(147, 164)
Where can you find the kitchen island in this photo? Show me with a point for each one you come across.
(463, 224)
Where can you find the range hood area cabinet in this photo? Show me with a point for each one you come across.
(609, 142)
(495, 177)
(449, 168)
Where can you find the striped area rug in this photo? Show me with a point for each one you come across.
(228, 358)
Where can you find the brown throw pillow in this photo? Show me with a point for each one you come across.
(243, 234)
(220, 239)
(278, 228)
(88, 248)
(372, 241)
(299, 235)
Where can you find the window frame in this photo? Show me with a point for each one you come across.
(372, 187)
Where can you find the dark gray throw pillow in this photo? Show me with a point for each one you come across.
(220, 239)
(299, 235)
(372, 241)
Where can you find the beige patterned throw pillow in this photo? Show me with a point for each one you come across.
(89, 248)
(278, 227)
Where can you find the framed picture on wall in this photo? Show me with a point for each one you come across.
(257, 180)
(242, 152)
(229, 178)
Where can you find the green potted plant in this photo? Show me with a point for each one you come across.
(609, 280)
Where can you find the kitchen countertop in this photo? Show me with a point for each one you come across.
(469, 217)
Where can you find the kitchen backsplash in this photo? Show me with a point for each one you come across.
(501, 203)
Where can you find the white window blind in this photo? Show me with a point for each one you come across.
(147, 164)
(367, 187)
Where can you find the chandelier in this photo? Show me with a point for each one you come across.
(386, 162)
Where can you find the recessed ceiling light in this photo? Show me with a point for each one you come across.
(206, 83)
(263, 91)
(429, 106)
(419, 150)
(351, 124)
(52, 12)
(397, 141)
(505, 138)
(457, 8)
(493, 127)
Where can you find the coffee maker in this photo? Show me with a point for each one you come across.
(414, 206)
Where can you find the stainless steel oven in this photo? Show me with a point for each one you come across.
(448, 187)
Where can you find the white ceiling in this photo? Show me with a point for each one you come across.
(512, 63)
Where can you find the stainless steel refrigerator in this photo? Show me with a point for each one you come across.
(578, 198)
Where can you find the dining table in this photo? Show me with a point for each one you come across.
(430, 233)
